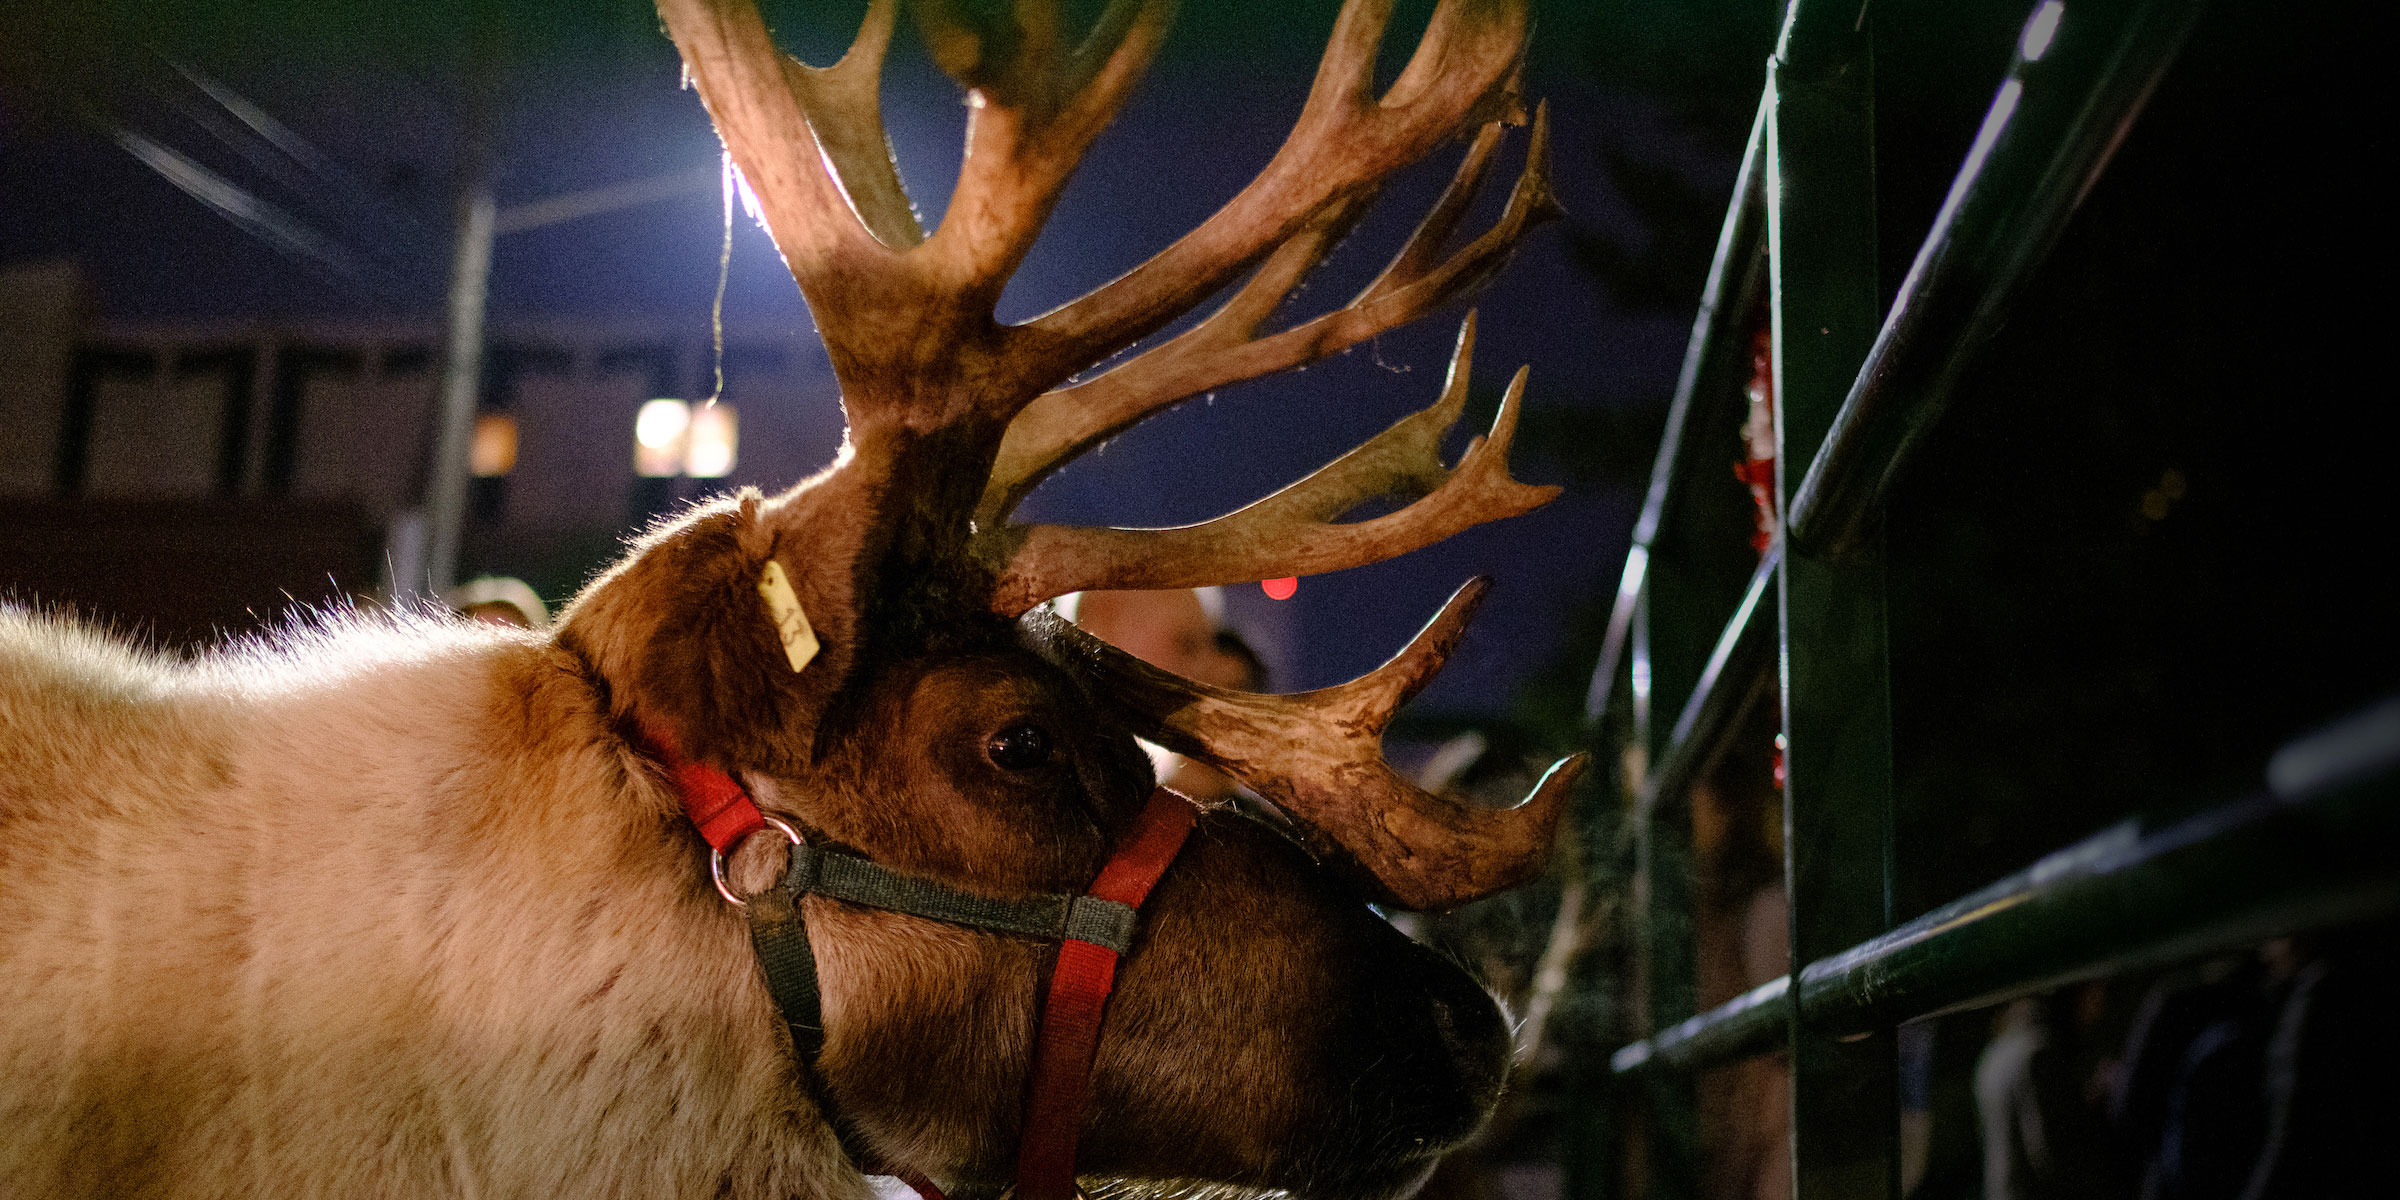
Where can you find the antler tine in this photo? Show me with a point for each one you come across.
(809, 140)
(1345, 141)
(907, 319)
(844, 104)
(1291, 532)
(1318, 756)
(1035, 107)
(1530, 202)
(1059, 425)
(1064, 423)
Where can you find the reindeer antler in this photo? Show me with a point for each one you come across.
(907, 319)
(955, 418)
(1318, 756)
(1227, 348)
(1346, 141)
(1292, 532)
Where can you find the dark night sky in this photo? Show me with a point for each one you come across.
(595, 102)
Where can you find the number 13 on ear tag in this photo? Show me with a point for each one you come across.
(791, 624)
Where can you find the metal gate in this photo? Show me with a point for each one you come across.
(1858, 376)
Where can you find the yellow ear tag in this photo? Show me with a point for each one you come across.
(791, 624)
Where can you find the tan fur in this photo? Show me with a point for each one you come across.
(380, 911)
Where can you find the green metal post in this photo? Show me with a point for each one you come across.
(1836, 706)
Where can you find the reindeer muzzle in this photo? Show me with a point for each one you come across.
(1093, 929)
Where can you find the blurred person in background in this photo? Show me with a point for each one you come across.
(2263, 1077)
(1177, 631)
(498, 600)
(2033, 1092)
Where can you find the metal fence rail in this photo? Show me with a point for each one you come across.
(1709, 363)
(1694, 642)
(1742, 655)
(2227, 878)
(2046, 138)
(2065, 105)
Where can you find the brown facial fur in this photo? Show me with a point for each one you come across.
(1259, 987)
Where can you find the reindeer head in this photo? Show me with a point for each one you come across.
(1269, 1031)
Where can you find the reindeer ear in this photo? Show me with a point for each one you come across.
(692, 648)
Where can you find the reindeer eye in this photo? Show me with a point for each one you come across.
(1020, 747)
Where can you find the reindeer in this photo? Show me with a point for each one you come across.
(388, 906)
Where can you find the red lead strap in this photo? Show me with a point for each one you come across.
(718, 807)
(1079, 987)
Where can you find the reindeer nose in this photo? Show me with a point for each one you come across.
(1471, 1028)
(1457, 1051)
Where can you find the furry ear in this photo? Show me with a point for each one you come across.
(686, 646)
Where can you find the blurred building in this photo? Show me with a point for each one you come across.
(286, 460)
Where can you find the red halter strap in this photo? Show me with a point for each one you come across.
(718, 807)
(1079, 987)
(1069, 1034)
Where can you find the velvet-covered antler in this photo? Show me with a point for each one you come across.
(1228, 347)
(907, 317)
(1293, 532)
(955, 418)
(1318, 756)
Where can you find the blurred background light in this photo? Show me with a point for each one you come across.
(709, 450)
(659, 430)
(2040, 30)
(494, 450)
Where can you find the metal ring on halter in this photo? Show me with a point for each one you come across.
(716, 859)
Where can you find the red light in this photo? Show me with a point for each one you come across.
(1280, 589)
